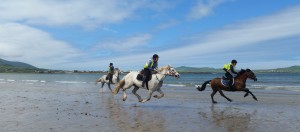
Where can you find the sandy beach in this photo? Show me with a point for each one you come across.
(86, 108)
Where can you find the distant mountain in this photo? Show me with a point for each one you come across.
(15, 64)
(198, 70)
(292, 69)
(17, 67)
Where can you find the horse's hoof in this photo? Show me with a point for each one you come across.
(155, 96)
(255, 99)
(215, 102)
(230, 100)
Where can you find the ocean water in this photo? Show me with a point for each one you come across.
(266, 81)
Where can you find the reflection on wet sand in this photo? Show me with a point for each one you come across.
(133, 118)
(232, 119)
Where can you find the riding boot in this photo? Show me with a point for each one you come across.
(231, 88)
(144, 81)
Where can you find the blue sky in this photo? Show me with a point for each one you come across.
(89, 34)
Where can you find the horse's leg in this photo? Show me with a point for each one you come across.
(222, 94)
(248, 91)
(149, 96)
(109, 88)
(102, 84)
(134, 92)
(124, 95)
(246, 94)
(212, 96)
(161, 94)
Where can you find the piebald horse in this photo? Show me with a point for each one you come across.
(154, 84)
(239, 84)
(115, 79)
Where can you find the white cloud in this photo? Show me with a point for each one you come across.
(282, 25)
(87, 13)
(203, 9)
(26, 44)
(127, 44)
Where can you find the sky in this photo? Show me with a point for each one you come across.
(89, 34)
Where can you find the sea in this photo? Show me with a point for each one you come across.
(266, 81)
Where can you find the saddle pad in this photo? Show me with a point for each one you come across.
(226, 82)
(139, 77)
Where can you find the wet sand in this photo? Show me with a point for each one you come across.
(85, 108)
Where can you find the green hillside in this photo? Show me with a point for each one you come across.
(17, 67)
(184, 69)
(198, 70)
(15, 64)
(292, 69)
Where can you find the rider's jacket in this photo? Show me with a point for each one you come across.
(151, 65)
(229, 68)
(111, 69)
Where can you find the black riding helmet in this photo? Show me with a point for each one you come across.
(110, 64)
(233, 61)
(155, 56)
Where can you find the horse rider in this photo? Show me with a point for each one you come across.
(229, 69)
(110, 74)
(150, 66)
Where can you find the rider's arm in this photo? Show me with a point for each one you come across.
(149, 64)
(232, 70)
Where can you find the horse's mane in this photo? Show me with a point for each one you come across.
(242, 71)
(163, 67)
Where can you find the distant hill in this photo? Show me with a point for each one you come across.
(19, 67)
(15, 64)
(198, 70)
(184, 69)
(292, 69)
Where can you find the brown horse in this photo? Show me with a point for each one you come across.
(239, 84)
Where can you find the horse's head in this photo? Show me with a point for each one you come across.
(169, 70)
(117, 71)
(250, 74)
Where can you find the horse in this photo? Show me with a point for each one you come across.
(115, 79)
(239, 85)
(154, 84)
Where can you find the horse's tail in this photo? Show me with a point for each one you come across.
(203, 85)
(98, 80)
(120, 85)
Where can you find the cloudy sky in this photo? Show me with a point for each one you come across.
(89, 34)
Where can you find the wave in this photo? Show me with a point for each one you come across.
(175, 85)
(276, 87)
(70, 82)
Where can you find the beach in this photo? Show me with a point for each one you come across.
(87, 108)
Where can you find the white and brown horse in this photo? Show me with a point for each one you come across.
(115, 79)
(154, 84)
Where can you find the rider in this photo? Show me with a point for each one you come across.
(229, 69)
(148, 68)
(110, 72)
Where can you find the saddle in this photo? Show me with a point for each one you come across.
(141, 75)
(225, 81)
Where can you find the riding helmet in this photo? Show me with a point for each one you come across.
(155, 56)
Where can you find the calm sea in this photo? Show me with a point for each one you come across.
(267, 81)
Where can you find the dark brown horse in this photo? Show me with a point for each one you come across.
(239, 84)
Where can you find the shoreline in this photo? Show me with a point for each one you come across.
(85, 108)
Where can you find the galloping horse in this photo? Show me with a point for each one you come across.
(239, 84)
(154, 84)
(115, 79)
